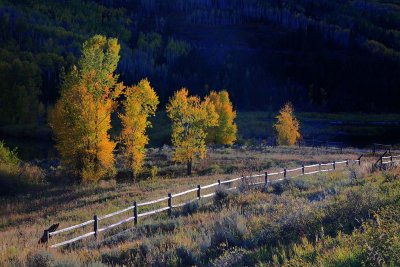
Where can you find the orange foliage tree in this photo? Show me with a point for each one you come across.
(190, 119)
(81, 117)
(140, 103)
(287, 126)
(225, 132)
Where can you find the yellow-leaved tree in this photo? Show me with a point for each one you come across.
(81, 117)
(140, 103)
(190, 119)
(225, 132)
(287, 126)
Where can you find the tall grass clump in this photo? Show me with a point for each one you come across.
(9, 162)
(14, 174)
(8, 158)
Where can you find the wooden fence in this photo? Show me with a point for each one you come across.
(381, 147)
(384, 160)
(260, 179)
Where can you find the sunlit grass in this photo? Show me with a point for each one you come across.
(201, 233)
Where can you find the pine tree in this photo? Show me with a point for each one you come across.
(190, 119)
(140, 103)
(225, 132)
(287, 126)
(81, 117)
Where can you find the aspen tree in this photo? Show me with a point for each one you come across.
(225, 132)
(190, 119)
(140, 103)
(287, 126)
(81, 117)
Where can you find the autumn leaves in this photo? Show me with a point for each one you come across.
(91, 93)
(194, 120)
(81, 118)
(287, 127)
(140, 103)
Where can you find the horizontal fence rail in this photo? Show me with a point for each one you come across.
(287, 173)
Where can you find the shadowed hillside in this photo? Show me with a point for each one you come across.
(321, 55)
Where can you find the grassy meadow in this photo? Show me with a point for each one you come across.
(320, 220)
(360, 130)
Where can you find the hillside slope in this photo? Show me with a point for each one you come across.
(325, 55)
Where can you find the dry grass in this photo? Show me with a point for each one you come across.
(23, 218)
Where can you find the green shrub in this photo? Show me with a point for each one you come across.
(154, 172)
(8, 156)
(380, 238)
(391, 175)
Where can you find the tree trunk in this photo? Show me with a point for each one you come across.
(189, 167)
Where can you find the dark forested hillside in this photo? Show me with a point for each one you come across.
(320, 54)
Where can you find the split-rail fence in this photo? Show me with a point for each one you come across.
(266, 179)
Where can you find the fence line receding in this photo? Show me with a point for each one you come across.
(252, 179)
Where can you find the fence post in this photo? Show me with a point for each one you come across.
(391, 158)
(95, 225)
(347, 163)
(302, 169)
(219, 182)
(334, 165)
(170, 204)
(266, 178)
(284, 173)
(198, 191)
(46, 237)
(135, 212)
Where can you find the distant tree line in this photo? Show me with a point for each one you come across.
(326, 55)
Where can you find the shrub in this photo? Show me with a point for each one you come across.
(8, 156)
(280, 187)
(391, 175)
(154, 172)
(302, 185)
(187, 258)
(190, 208)
(231, 257)
(358, 172)
(380, 239)
(224, 198)
(231, 231)
(40, 259)
(73, 263)
(14, 176)
(32, 173)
